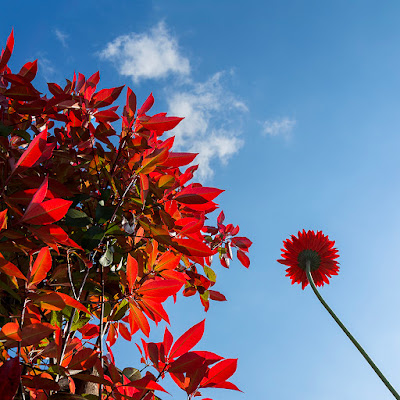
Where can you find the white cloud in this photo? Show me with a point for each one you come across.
(279, 127)
(212, 123)
(46, 68)
(213, 115)
(62, 37)
(152, 55)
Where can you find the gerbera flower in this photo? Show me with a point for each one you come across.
(312, 246)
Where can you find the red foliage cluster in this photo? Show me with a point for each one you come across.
(97, 231)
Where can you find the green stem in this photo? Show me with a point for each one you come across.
(348, 334)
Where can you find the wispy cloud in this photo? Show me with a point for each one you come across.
(212, 123)
(213, 114)
(151, 55)
(62, 37)
(46, 68)
(279, 127)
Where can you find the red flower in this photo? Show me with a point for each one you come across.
(312, 246)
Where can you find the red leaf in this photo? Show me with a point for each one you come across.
(3, 219)
(214, 295)
(106, 116)
(69, 301)
(22, 92)
(242, 257)
(187, 362)
(220, 372)
(123, 330)
(221, 218)
(144, 187)
(106, 97)
(39, 383)
(146, 105)
(160, 289)
(6, 54)
(11, 331)
(130, 107)
(131, 272)
(197, 195)
(84, 359)
(89, 331)
(139, 318)
(242, 242)
(33, 152)
(39, 195)
(193, 247)
(149, 164)
(53, 234)
(47, 212)
(146, 382)
(29, 70)
(226, 385)
(10, 373)
(10, 269)
(50, 301)
(40, 268)
(55, 89)
(161, 123)
(179, 159)
(167, 341)
(155, 308)
(188, 340)
(34, 333)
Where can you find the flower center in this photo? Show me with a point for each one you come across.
(311, 255)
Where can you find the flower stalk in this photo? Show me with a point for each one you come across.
(348, 334)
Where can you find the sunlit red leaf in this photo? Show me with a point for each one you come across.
(11, 331)
(179, 159)
(146, 105)
(159, 289)
(106, 116)
(3, 219)
(139, 318)
(187, 362)
(6, 53)
(220, 372)
(146, 382)
(197, 195)
(106, 97)
(89, 331)
(131, 272)
(29, 70)
(242, 242)
(10, 269)
(242, 257)
(33, 152)
(47, 212)
(39, 195)
(150, 163)
(161, 123)
(40, 268)
(69, 301)
(130, 107)
(193, 247)
(188, 340)
(10, 373)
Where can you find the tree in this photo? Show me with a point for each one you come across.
(97, 230)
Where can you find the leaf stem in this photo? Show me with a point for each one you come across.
(348, 334)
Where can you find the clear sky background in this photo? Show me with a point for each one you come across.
(294, 108)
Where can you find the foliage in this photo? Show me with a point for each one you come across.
(97, 231)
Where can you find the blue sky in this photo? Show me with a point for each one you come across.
(294, 108)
